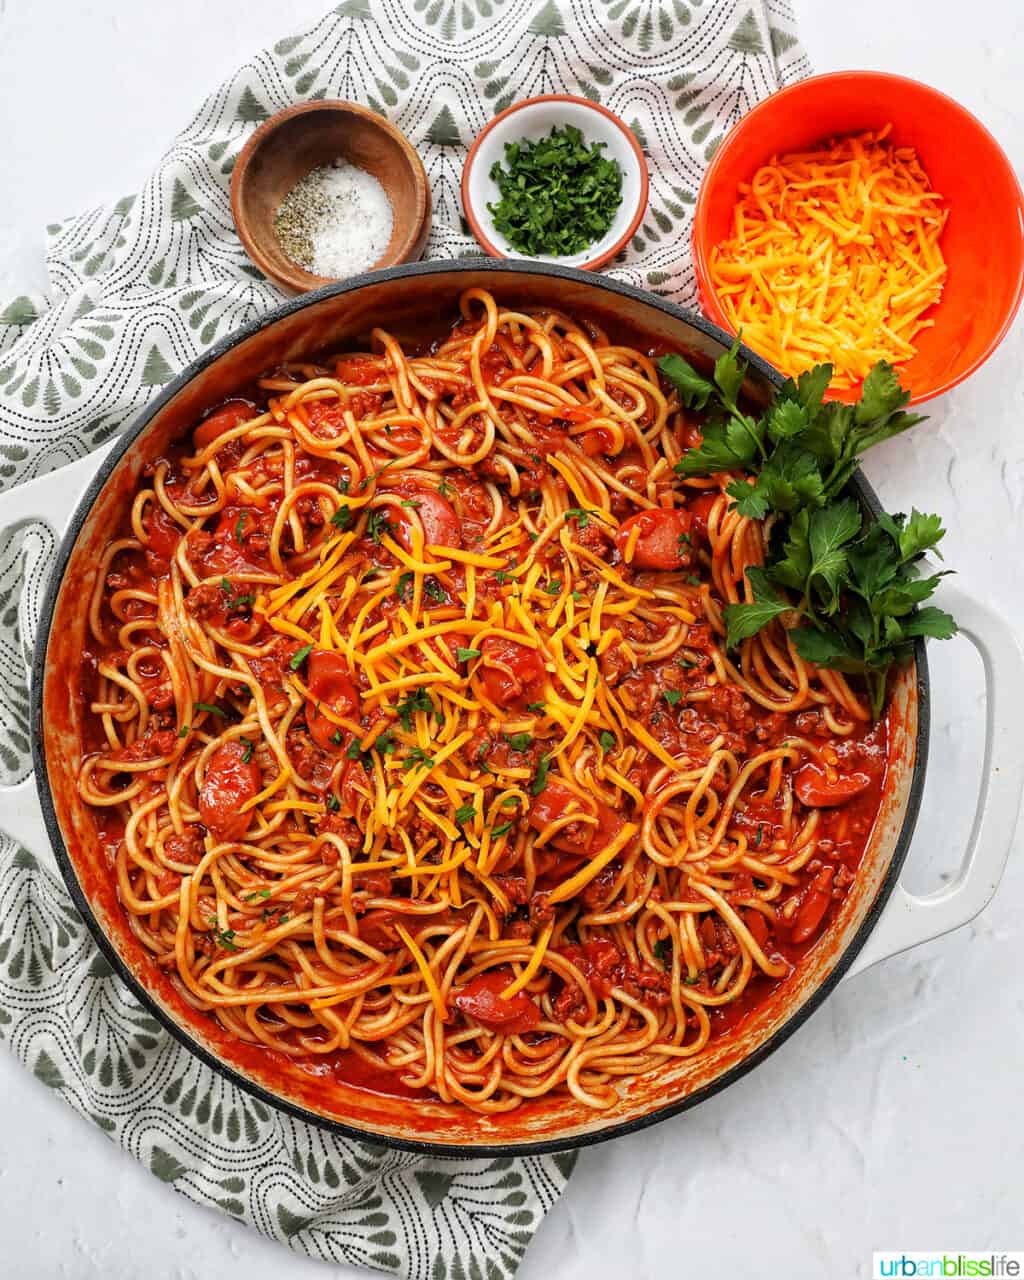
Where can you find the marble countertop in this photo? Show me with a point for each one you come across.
(884, 1122)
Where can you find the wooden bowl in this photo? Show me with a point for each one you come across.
(301, 138)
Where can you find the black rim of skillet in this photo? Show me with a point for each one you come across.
(508, 268)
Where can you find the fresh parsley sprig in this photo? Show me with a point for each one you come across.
(856, 583)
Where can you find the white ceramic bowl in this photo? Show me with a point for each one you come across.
(530, 120)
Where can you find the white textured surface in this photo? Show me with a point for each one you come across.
(892, 1119)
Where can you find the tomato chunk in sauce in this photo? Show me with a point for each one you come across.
(230, 781)
(330, 686)
(662, 539)
(510, 672)
(481, 998)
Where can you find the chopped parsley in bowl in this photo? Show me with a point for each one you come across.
(558, 194)
(556, 178)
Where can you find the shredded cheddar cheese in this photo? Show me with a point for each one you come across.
(834, 256)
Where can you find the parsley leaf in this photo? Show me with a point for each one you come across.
(418, 700)
(300, 656)
(500, 831)
(247, 753)
(582, 516)
(606, 739)
(377, 525)
(540, 778)
(743, 620)
(342, 518)
(673, 696)
(518, 741)
(417, 756)
(466, 655)
(465, 813)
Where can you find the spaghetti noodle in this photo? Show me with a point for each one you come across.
(412, 734)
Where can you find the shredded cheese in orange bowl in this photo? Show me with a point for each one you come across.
(860, 216)
(835, 256)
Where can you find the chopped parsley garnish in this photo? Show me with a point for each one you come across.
(418, 700)
(412, 504)
(434, 589)
(554, 586)
(662, 950)
(466, 655)
(500, 831)
(336, 737)
(368, 480)
(759, 837)
(403, 588)
(693, 579)
(377, 525)
(247, 753)
(417, 756)
(300, 656)
(519, 741)
(576, 596)
(535, 706)
(558, 195)
(854, 582)
(685, 541)
(240, 525)
(353, 751)
(342, 518)
(343, 483)
(225, 939)
(606, 739)
(183, 731)
(214, 711)
(672, 696)
(481, 757)
(540, 778)
(510, 802)
(255, 897)
(465, 813)
(582, 516)
(385, 744)
(445, 489)
(501, 576)
(333, 803)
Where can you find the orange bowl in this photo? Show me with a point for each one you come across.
(983, 242)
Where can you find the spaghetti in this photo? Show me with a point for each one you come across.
(413, 738)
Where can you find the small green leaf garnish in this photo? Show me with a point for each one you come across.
(606, 739)
(333, 803)
(240, 525)
(465, 813)
(540, 778)
(300, 656)
(418, 700)
(209, 707)
(378, 525)
(504, 829)
(673, 696)
(519, 741)
(466, 655)
(342, 518)
(417, 756)
(247, 753)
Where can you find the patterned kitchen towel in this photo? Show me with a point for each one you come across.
(138, 290)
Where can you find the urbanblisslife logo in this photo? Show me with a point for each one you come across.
(957, 1265)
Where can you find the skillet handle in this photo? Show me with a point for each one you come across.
(909, 918)
(50, 499)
